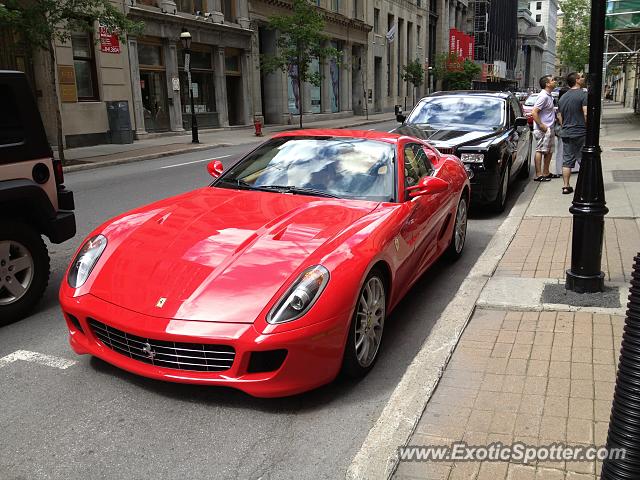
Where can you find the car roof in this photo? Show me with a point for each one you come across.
(473, 93)
(328, 132)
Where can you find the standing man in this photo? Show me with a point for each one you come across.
(573, 117)
(544, 118)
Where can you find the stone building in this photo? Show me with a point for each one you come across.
(531, 41)
(545, 13)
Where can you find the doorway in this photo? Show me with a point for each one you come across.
(234, 99)
(377, 84)
(153, 87)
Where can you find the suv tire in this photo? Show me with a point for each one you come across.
(20, 240)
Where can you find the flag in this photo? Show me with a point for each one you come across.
(391, 34)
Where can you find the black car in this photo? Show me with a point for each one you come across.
(486, 130)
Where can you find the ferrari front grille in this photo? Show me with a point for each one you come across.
(202, 357)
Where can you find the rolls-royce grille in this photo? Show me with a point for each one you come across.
(447, 150)
(178, 355)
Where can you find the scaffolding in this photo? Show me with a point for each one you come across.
(622, 46)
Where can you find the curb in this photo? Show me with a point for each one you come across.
(378, 455)
(153, 156)
(140, 158)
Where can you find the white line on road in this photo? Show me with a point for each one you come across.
(35, 357)
(195, 161)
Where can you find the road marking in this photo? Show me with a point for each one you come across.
(195, 161)
(35, 357)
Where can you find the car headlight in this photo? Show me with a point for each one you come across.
(301, 296)
(472, 157)
(86, 260)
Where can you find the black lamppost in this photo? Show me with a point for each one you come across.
(185, 38)
(589, 206)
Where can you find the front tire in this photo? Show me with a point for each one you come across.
(501, 199)
(24, 269)
(366, 328)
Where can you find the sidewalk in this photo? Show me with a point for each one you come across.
(529, 367)
(84, 158)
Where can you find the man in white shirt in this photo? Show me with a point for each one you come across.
(544, 118)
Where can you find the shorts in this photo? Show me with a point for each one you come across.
(572, 151)
(545, 141)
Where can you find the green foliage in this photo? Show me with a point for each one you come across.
(573, 48)
(413, 72)
(41, 22)
(300, 41)
(455, 75)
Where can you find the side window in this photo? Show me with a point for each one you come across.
(511, 114)
(11, 126)
(415, 164)
(516, 107)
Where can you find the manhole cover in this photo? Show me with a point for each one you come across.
(626, 149)
(626, 175)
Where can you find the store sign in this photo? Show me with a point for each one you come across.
(109, 42)
(67, 82)
(461, 45)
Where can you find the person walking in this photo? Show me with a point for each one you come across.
(572, 114)
(544, 118)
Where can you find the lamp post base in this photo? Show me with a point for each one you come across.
(584, 284)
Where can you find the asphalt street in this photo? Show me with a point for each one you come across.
(92, 420)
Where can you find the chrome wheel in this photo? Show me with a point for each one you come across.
(369, 321)
(16, 271)
(460, 232)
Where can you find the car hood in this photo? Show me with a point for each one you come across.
(215, 254)
(449, 136)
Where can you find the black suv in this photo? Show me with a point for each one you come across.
(33, 200)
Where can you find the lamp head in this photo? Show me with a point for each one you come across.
(185, 38)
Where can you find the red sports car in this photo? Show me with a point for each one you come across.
(277, 276)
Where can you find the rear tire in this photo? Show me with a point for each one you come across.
(366, 328)
(24, 269)
(459, 234)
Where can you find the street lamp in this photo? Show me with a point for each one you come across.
(185, 38)
(589, 206)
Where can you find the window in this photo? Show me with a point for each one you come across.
(335, 5)
(84, 64)
(415, 164)
(538, 18)
(356, 8)
(376, 20)
(229, 10)
(419, 34)
(538, 5)
(191, 6)
(11, 126)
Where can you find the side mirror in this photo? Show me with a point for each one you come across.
(521, 122)
(401, 118)
(215, 168)
(428, 186)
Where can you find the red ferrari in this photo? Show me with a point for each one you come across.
(277, 276)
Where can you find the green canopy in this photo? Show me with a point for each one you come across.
(623, 14)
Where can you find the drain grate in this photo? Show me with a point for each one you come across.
(626, 149)
(626, 175)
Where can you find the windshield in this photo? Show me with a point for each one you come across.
(458, 110)
(531, 100)
(344, 167)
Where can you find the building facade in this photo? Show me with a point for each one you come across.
(531, 41)
(144, 76)
(545, 13)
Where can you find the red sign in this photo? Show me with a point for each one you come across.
(461, 45)
(109, 42)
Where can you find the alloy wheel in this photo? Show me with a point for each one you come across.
(370, 321)
(460, 233)
(16, 271)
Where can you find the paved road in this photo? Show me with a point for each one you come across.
(94, 421)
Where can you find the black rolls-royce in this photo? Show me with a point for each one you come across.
(486, 130)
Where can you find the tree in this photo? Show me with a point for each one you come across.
(413, 72)
(300, 41)
(42, 23)
(456, 74)
(573, 48)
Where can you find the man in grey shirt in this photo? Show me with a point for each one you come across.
(573, 116)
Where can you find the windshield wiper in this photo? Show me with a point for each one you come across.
(301, 190)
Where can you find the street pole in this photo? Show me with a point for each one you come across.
(194, 120)
(589, 206)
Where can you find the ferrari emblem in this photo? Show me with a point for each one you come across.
(396, 242)
(160, 303)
